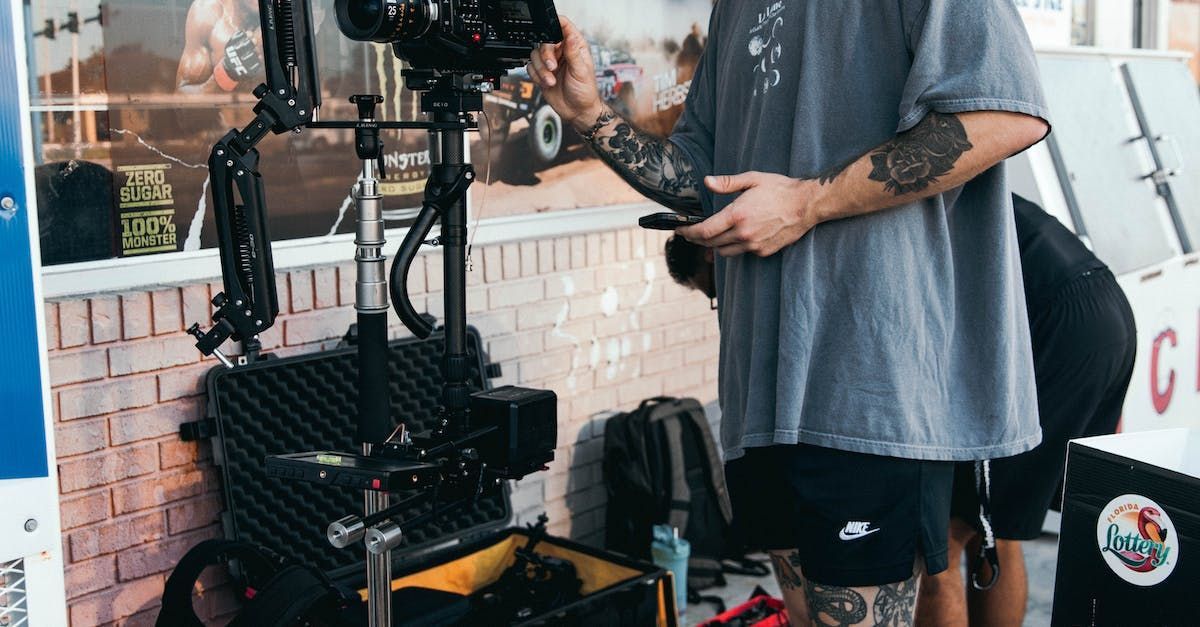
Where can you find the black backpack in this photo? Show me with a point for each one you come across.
(661, 466)
(276, 593)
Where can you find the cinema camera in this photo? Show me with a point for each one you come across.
(456, 50)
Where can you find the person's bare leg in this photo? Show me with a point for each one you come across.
(1004, 604)
(943, 597)
(811, 603)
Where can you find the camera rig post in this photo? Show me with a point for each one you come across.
(480, 439)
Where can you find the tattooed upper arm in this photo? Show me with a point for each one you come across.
(653, 166)
(915, 159)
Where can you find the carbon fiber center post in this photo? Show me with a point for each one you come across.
(371, 304)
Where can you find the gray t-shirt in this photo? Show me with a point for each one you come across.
(901, 332)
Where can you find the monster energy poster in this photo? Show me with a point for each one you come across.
(130, 95)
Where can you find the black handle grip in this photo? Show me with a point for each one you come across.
(420, 327)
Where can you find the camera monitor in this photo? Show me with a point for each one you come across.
(485, 36)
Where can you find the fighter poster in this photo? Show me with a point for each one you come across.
(130, 96)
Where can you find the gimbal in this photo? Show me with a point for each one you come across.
(481, 438)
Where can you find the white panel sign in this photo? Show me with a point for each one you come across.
(1048, 21)
(1165, 391)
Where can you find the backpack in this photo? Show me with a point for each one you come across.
(276, 593)
(661, 467)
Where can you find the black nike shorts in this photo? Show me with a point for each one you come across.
(1084, 345)
(854, 519)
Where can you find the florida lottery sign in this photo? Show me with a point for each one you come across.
(1048, 21)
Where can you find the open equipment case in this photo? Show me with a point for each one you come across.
(307, 403)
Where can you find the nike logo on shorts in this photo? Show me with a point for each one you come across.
(856, 529)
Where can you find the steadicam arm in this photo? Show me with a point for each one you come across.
(286, 102)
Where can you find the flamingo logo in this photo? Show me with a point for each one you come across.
(1137, 540)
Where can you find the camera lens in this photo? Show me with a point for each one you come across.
(385, 21)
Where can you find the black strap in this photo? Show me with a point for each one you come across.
(987, 550)
(681, 493)
(744, 566)
(289, 596)
(177, 610)
(695, 598)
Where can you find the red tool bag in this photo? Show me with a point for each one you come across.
(762, 610)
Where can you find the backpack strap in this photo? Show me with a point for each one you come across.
(177, 610)
(681, 494)
(716, 474)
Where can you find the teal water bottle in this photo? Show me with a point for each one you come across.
(672, 552)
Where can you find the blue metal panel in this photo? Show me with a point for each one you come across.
(22, 427)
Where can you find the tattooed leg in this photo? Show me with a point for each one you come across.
(653, 166)
(812, 603)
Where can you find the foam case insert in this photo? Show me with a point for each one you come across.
(308, 403)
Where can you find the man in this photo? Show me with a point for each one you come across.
(872, 324)
(222, 40)
(1084, 345)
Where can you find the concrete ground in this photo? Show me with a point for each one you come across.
(1041, 557)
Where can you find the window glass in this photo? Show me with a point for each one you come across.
(128, 98)
(1184, 31)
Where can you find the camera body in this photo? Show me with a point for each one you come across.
(487, 37)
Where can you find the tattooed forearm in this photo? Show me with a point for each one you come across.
(915, 159)
(652, 165)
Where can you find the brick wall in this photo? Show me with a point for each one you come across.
(593, 317)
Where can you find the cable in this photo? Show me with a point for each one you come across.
(487, 182)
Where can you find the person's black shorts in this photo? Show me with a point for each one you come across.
(855, 519)
(1084, 344)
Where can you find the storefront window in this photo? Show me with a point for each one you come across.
(1184, 31)
(127, 104)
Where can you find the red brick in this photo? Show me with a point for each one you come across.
(197, 308)
(194, 514)
(149, 618)
(79, 437)
(347, 275)
(434, 271)
(545, 256)
(579, 258)
(183, 382)
(167, 309)
(81, 578)
(177, 453)
(562, 254)
(152, 422)
(104, 468)
(542, 314)
(162, 489)
(702, 352)
(117, 535)
(662, 361)
(325, 287)
(50, 314)
(512, 260)
(493, 264)
(158, 557)
(301, 282)
(135, 315)
(624, 245)
(529, 258)
(103, 397)
(73, 323)
(317, 326)
(84, 509)
(76, 366)
(545, 366)
(117, 602)
(282, 289)
(576, 335)
(152, 354)
(515, 293)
